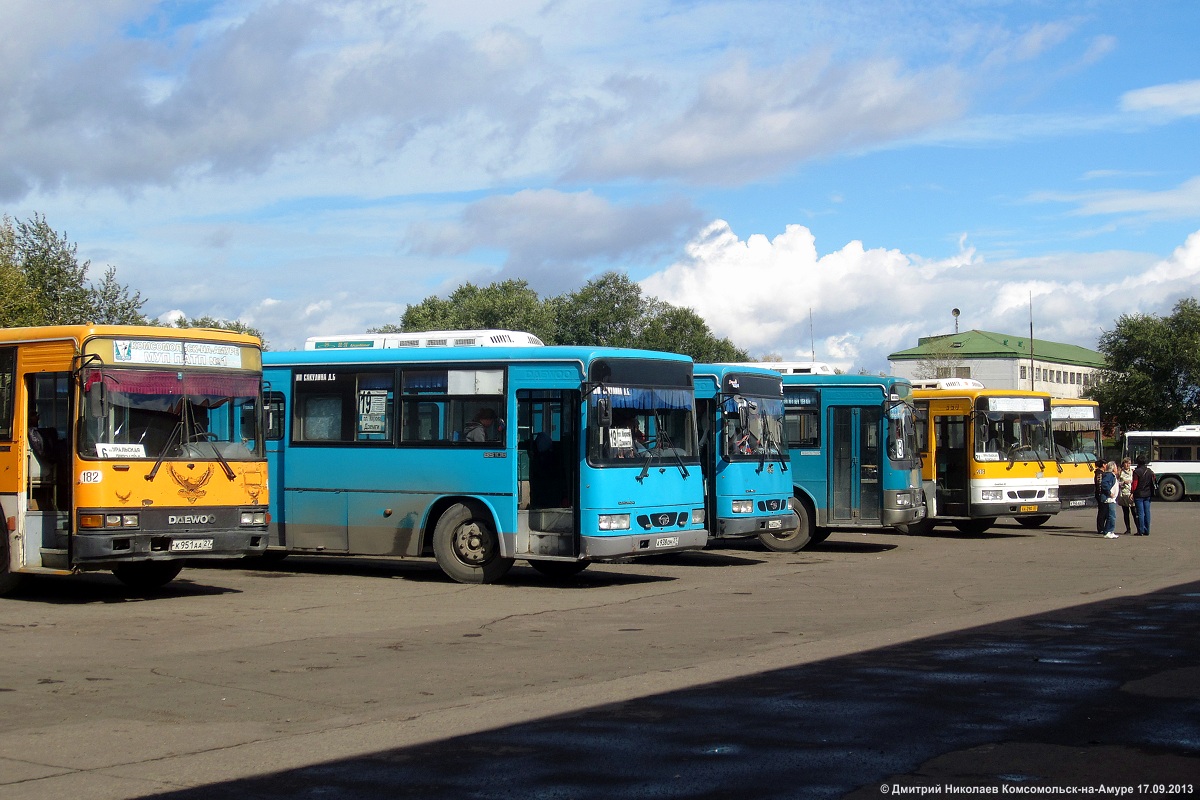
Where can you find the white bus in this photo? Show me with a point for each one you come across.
(1173, 455)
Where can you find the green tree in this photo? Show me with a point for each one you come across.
(507, 305)
(46, 284)
(682, 330)
(237, 326)
(1153, 376)
(609, 310)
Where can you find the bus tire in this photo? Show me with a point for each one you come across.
(559, 570)
(9, 581)
(467, 548)
(1170, 489)
(974, 527)
(1036, 521)
(146, 576)
(794, 540)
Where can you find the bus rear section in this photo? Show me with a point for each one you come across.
(744, 456)
(1076, 426)
(986, 454)
(1173, 455)
(482, 456)
(131, 449)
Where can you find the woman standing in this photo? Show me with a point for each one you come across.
(1125, 496)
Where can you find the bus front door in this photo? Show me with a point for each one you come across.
(855, 482)
(950, 462)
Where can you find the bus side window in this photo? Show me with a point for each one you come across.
(8, 376)
(275, 416)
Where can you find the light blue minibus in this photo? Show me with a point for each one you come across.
(559, 456)
(744, 452)
(854, 457)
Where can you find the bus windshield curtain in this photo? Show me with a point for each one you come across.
(204, 389)
(637, 398)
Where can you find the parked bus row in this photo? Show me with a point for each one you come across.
(134, 448)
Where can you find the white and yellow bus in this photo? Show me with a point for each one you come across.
(128, 448)
(1076, 426)
(986, 453)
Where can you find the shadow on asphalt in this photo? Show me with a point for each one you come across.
(102, 587)
(1103, 693)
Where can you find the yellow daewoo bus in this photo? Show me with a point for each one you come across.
(128, 448)
(1076, 425)
(986, 453)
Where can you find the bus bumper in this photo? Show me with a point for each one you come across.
(1015, 509)
(608, 548)
(745, 527)
(100, 549)
(903, 516)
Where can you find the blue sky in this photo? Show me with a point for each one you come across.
(312, 167)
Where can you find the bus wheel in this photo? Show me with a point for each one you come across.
(794, 540)
(1036, 521)
(559, 570)
(975, 527)
(1170, 489)
(146, 576)
(9, 581)
(467, 548)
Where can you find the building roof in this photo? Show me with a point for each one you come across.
(985, 344)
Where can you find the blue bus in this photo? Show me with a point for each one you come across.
(559, 456)
(854, 457)
(744, 452)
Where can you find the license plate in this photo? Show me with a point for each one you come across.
(667, 541)
(774, 523)
(1029, 508)
(190, 545)
(1077, 503)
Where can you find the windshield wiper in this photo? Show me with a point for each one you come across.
(176, 431)
(1012, 456)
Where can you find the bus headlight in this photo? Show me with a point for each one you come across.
(253, 518)
(108, 520)
(904, 500)
(994, 495)
(1052, 493)
(614, 522)
(739, 507)
(697, 516)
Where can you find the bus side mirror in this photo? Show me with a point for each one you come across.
(97, 400)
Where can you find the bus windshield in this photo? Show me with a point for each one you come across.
(1012, 428)
(752, 428)
(902, 432)
(1079, 446)
(647, 423)
(153, 414)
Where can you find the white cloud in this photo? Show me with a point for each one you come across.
(746, 123)
(1180, 99)
(868, 303)
(555, 239)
